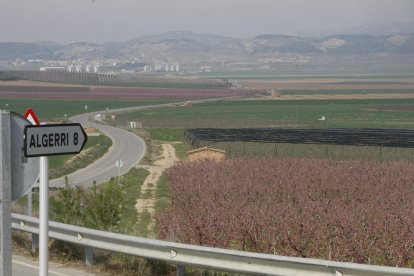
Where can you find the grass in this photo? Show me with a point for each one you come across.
(166, 134)
(132, 182)
(333, 152)
(360, 113)
(171, 135)
(181, 150)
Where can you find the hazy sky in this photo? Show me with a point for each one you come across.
(120, 20)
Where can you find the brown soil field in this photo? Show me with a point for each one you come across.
(329, 84)
(37, 83)
(330, 80)
(337, 97)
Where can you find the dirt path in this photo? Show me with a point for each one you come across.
(147, 200)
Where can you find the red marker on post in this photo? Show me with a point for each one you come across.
(31, 116)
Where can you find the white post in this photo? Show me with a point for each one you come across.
(43, 216)
(5, 194)
(119, 180)
(29, 203)
(35, 237)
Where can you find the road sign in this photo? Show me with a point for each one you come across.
(31, 116)
(46, 140)
(119, 163)
(17, 175)
(24, 171)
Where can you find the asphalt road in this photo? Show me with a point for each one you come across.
(23, 266)
(126, 146)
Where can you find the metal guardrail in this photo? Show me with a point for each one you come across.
(200, 256)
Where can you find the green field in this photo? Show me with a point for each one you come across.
(347, 91)
(369, 113)
(56, 109)
(301, 75)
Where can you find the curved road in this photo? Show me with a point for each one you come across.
(126, 146)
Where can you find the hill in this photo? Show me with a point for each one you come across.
(189, 47)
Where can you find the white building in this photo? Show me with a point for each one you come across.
(148, 68)
(158, 68)
(56, 68)
(99, 118)
(78, 68)
(205, 69)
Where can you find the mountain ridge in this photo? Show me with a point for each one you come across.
(186, 46)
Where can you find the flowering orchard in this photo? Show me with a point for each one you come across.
(357, 211)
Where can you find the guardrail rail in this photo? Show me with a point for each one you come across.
(199, 256)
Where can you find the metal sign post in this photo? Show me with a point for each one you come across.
(31, 116)
(5, 194)
(43, 141)
(43, 216)
(119, 165)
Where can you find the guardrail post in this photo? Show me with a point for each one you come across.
(35, 243)
(180, 270)
(88, 256)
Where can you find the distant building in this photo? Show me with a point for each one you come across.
(205, 69)
(44, 69)
(135, 124)
(99, 118)
(158, 68)
(96, 69)
(206, 153)
(148, 68)
(162, 68)
(188, 103)
(78, 68)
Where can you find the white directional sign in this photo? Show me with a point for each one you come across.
(45, 140)
(119, 163)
